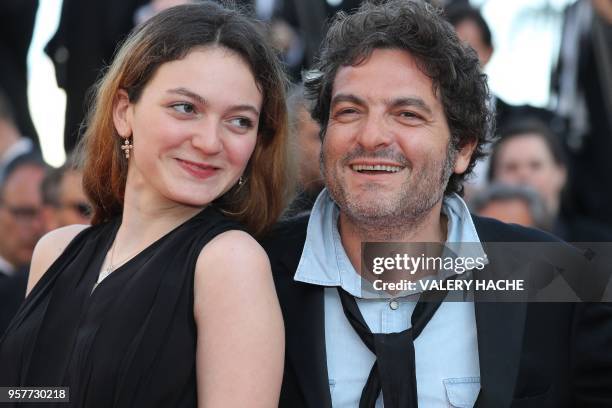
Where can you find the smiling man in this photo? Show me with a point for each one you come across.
(387, 151)
(402, 108)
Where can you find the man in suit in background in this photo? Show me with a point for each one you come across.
(402, 107)
(64, 201)
(12, 143)
(22, 226)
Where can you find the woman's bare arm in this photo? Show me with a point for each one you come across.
(240, 348)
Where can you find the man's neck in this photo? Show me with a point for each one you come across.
(432, 227)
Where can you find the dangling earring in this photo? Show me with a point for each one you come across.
(241, 181)
(127, 146)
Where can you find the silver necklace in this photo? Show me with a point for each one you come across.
(111, 267)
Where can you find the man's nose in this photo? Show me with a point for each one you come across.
(374, 133)
(524, 174)
(38, 225)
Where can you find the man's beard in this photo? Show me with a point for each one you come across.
(418, 194)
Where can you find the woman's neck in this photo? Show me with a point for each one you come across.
(147, 216)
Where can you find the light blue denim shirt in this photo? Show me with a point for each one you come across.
(447, 368)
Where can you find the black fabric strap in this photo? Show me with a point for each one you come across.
(394, 370)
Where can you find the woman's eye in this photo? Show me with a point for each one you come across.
(186, 108)
(244, 123)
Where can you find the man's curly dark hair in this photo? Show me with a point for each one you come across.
(419, 29)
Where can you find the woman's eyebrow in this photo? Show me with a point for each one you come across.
(186, 92)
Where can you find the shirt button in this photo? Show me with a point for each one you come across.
(394, 304)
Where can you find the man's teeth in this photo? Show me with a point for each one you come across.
(378, 167)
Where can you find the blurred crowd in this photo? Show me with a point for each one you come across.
(547, 168)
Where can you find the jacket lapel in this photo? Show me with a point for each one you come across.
(500, 335)
(303, 306)
(500, 327)
(307, 348)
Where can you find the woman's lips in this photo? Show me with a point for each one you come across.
(198, 170)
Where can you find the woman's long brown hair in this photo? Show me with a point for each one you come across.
(169, 36)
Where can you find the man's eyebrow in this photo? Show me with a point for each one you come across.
(410, 101)
(186, 92)
(192, 95)
(347, 98)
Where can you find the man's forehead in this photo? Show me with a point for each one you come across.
(387, 73)
(25, 171)
(26, 178)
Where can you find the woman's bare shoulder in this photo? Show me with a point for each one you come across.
(234, 261)
(48, 249)
(235, 249)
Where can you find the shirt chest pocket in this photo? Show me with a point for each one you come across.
(462, 392)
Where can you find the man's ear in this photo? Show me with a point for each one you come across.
(121, 114)
(464, 155)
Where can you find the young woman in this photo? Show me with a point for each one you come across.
(166, 301)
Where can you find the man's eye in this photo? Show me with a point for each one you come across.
(535, 165)
(183, 107)
(408, 115)
(346, 113)
(512, 167)
(244, 123)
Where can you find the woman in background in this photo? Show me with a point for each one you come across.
(166, 301)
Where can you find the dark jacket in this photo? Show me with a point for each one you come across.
(12, 294)
(531, 354)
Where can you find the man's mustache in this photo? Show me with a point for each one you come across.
(387, 153)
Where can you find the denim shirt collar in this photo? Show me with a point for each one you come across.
(324, 261)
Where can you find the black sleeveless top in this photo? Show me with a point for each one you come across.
(130, 343)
